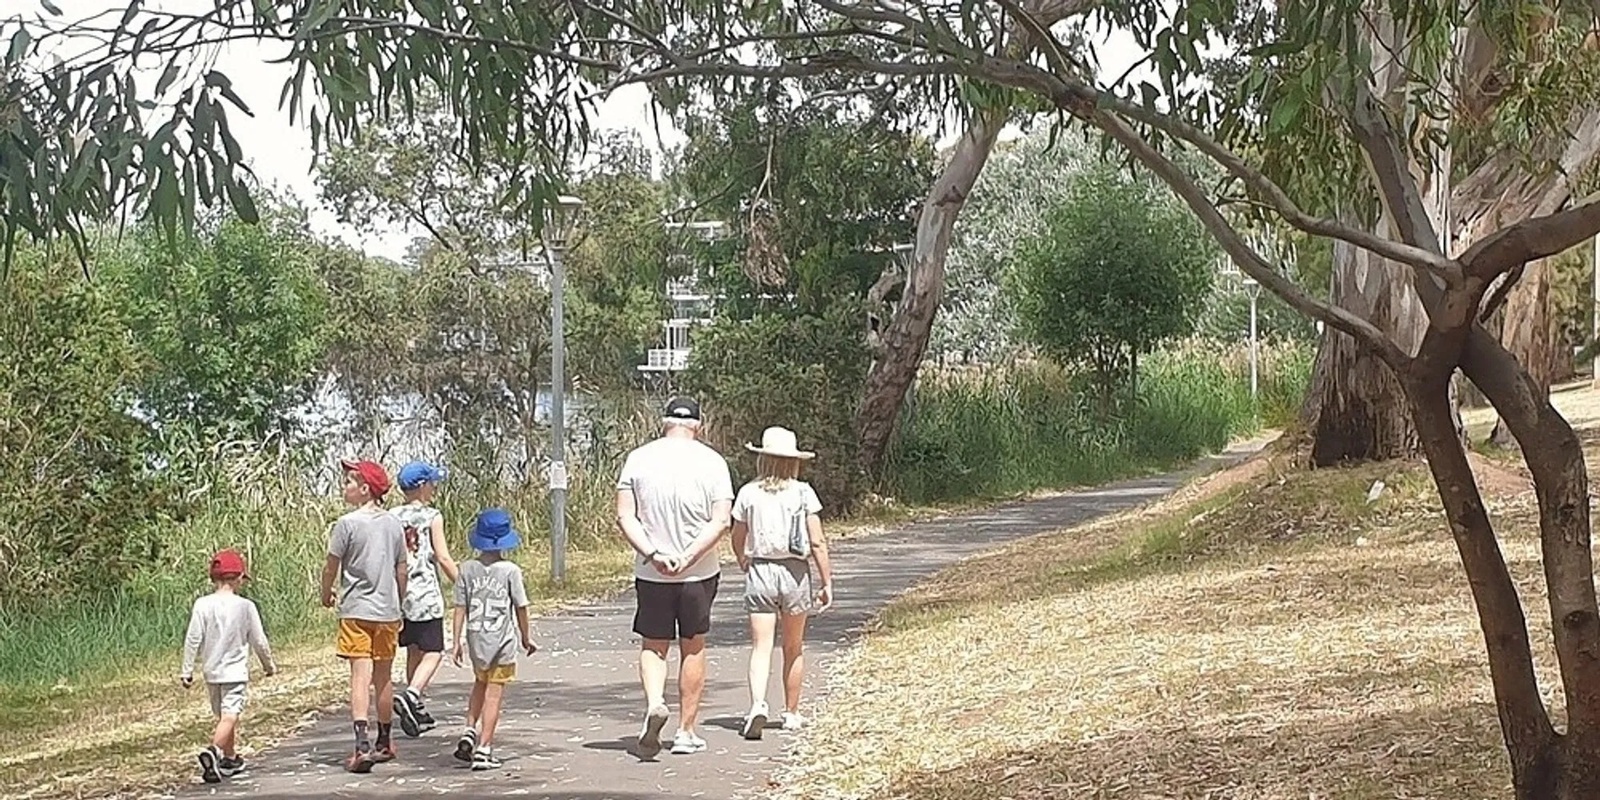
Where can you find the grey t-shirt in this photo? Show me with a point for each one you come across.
(675, 482)
(369, 546)
(491, 594)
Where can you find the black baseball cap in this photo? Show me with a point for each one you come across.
(683, 408)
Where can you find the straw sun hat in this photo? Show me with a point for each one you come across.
(779, 442)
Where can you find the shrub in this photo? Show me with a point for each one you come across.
(804, 372)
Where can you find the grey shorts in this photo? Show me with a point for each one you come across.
(226, 698)
(780, 586)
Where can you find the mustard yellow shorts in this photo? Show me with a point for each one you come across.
(360, 638)
(498, 674)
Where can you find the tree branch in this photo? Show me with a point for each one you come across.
(1406, 253)
(1532, 239)
(1391, 170)
(1248, 260)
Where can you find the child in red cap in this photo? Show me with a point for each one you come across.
(223, 629)
(367, 555)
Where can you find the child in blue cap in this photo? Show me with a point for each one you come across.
(427, 553)
(488, 594)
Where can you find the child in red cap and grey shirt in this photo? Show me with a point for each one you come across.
(223, 629)
(367, 559)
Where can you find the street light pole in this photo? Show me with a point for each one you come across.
(557, 227)
(1254, 289)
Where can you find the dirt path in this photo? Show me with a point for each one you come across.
(568, 728)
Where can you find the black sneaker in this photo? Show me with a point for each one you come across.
(466, 746)
(406, 708)
(230, 767)
(425, 719)
(210, 765)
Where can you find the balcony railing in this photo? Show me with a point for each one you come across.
(665, 360)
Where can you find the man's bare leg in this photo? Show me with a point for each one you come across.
(691, 680)
(653, 678)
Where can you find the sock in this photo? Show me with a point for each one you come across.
(361, 733)
(383, 732)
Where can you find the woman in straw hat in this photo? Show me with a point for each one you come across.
(776, 534)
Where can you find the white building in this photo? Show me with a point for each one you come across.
(691, 304)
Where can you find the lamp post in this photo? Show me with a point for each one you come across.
(1252, 288)
(559, 221)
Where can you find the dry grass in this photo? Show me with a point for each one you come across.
(131, 733)
(1263, 635)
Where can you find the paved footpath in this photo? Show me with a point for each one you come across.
(570, 722)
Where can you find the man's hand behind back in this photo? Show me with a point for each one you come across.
(668, 565)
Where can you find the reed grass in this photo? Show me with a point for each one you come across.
(1032, 425)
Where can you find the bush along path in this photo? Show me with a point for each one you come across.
(570, 721)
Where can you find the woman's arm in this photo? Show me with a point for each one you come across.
(741, 541)
(819, 553)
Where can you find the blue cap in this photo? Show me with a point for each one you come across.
(492, 531)
(417, 473)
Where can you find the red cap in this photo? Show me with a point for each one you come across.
(228, 564)
(370, 474)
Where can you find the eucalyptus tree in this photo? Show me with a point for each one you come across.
(1330, 124)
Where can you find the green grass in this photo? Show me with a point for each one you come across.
(1030, 426)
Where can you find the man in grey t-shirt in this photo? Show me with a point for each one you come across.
(674, 502)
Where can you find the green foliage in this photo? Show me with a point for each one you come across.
(80, 504)
(1004, 430)
(816, 193)
(802, 371)
(233, 319)
(1118, 271)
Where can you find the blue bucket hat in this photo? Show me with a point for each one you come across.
(417, 473)
(492, 531)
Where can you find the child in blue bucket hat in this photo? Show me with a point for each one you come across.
(488, 594)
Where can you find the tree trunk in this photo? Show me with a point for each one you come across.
(905, 339)
(1355, 409)
(1527, 331)
(1547, 766)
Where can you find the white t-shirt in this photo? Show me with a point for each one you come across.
(675, 482)
(773, 516)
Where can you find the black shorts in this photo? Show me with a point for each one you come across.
(668, 611)
(425, 635)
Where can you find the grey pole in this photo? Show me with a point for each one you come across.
(562, 220)
(558, 420)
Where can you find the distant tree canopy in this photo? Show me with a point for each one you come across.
(1118, 269)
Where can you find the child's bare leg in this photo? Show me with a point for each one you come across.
(222, 737)
(414, 658)
(360, 690)
(492, 695)
(794, 635)
(383, 682)
(475, 704)
(427, 667)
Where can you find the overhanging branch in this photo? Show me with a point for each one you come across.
(1248, 260)
(1532, 239)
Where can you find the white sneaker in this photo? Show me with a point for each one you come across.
(686, 743)
(650, 734)
(754, 722)
(793, 721)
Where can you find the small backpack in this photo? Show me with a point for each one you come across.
(799, 537)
